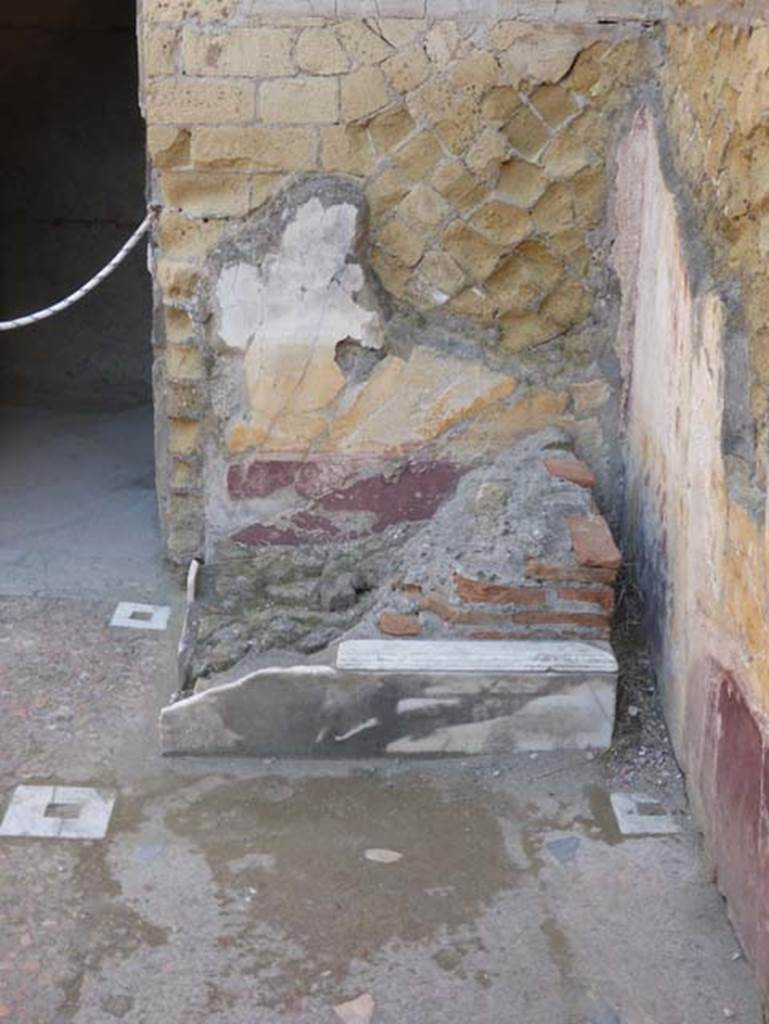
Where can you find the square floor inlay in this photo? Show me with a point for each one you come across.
(141, 616)
(58, 812)
(639, 815)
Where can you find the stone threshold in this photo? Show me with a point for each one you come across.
(428, 698)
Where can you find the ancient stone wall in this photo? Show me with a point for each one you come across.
(716, 96)
(441, 182)
(690, 214)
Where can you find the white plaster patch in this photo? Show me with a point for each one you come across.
(289, 314)
(241, 309)
(58, 812)
(639, 815)
(141, 616)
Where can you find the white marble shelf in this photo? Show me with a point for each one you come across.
(504, 656)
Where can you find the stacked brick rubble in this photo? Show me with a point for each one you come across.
(520, 551)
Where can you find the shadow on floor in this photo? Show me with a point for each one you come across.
(78, 514)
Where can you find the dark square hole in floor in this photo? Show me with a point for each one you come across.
(54, 810)
(651, 809)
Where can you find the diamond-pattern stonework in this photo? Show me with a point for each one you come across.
(457, 135)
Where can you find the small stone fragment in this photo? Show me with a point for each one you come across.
(574, 470)
(338, 593)
(593, 543)
(564, 850)
(396, 624)
(356, 1011)
(383, 856)
(492, 497)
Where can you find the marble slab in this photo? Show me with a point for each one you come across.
(58, 812)
(319, 711)
(514, 656)
(640, 815)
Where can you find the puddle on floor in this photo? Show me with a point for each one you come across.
(602, 815)
(301, 849)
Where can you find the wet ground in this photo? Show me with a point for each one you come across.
(244, 893)
(241, 893)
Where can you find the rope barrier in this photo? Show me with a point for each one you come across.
(70, 300)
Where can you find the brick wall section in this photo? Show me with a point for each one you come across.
(570, 595)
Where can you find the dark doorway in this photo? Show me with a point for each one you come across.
(71, 191)
(76, 458)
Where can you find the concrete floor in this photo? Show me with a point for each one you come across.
(77, 503)
(239, 892)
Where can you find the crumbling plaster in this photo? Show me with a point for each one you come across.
(698, 543)
(487, 291)
(479, 154)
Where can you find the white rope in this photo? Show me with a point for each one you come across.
(43, 314)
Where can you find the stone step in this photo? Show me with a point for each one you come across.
(418, 697)
(508, 656)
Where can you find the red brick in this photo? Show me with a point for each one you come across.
(459, 615)
(553, 618)
(574, 470)
(592, 542)
(603, 596)
(494, 593)
(397, 624)
(536, 570)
